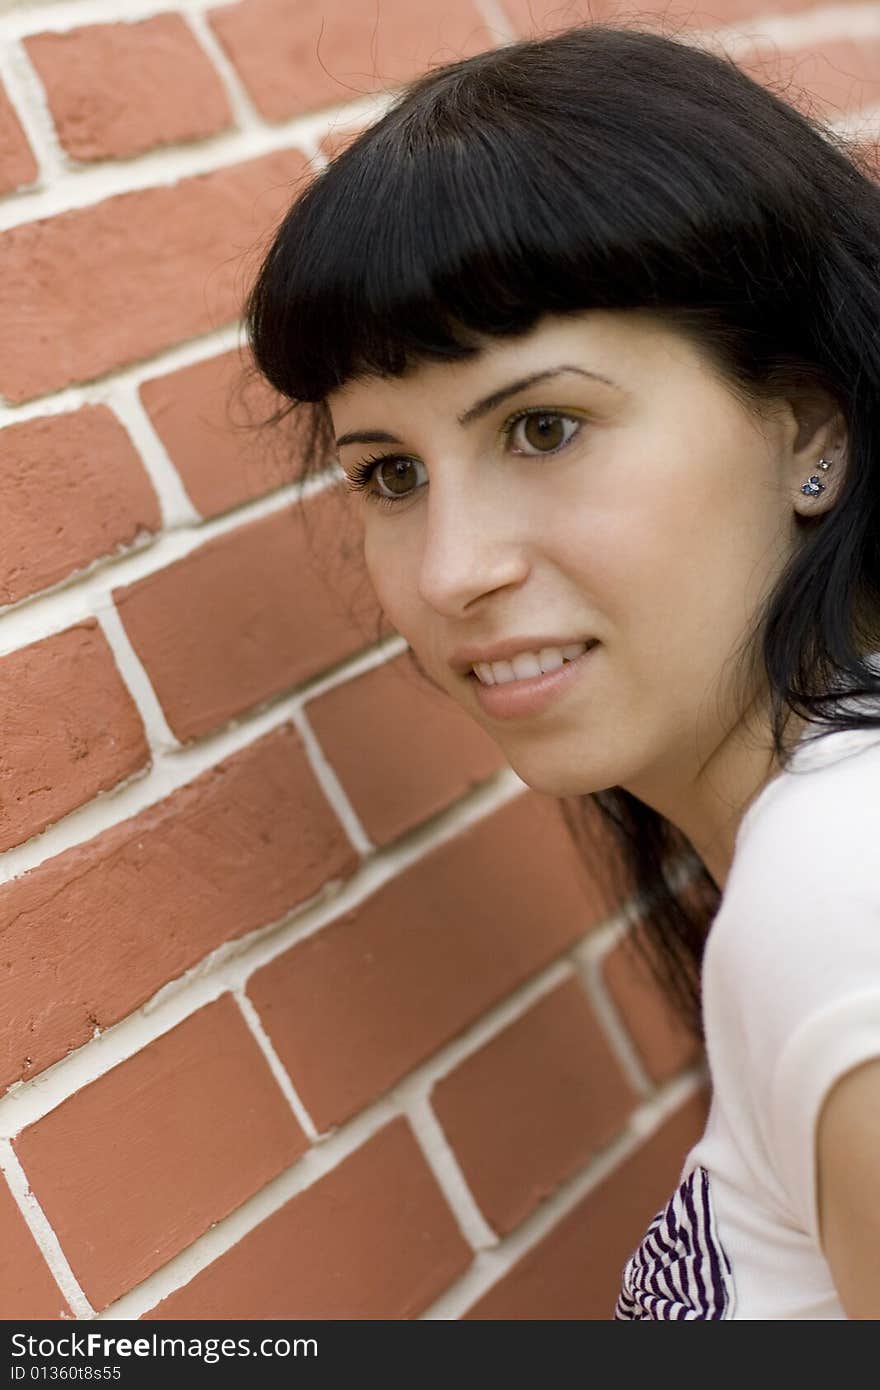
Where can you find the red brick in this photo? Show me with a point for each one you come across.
(250, 615)
(70, 729)
(839, 76)
(842, 74)
(27, 1289)
(400, 747)
(115, 918)
(17, 163)
(98, 287)
(338, 138)
(118, 89)
(575, 1272)
(675, 17)
(662, 1039)
(318, 53)
(830, 81)
(374, 1238)
(354, 1007)
(136, 1165)
(72, 489)
(207, 416)
(533, 1105)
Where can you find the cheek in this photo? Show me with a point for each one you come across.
(682, 578)
(616, 558)
(393, 580)
(649, 574)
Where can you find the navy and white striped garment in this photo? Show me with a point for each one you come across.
(680, 1269)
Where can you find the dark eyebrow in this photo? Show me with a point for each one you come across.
(481, 407)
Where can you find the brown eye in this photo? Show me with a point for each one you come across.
(396, 475)
(544, 431)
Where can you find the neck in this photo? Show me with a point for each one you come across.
(708, 803)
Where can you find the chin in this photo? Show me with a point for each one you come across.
(557, 781)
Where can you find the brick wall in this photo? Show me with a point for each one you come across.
(307, 1006)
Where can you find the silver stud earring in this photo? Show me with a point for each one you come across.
(814, 487)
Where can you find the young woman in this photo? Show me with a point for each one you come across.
(591, 324)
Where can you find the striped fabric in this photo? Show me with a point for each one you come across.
(680, 1269)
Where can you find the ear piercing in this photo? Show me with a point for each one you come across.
(814, 487)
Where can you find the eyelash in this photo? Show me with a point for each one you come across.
(361, 472)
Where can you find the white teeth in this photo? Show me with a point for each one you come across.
(526, 664)
(551, 658)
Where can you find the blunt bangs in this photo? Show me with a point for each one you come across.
(583, 171)
(617, 168)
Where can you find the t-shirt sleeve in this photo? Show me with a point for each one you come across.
(794, 993)
(827, 1045)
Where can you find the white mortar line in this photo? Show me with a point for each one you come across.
(181, 764)
(244, 113)
(276, 1066)
(52, 610)
(63, 14)
(167, 165)
(452, 1182)
(490, 1266)
(414, 1096)
(67, 14)
(62, 604)
(231, 964)
(87, 185)
(44, 1236)
(134, 675)
(331, 786)
(176, 507)
(104, 389)
(807, 27)
(590, 954)
(419, 1085)
(243, 109)
(830, 17)
(219, 972)
(496, 20)
(59, 15)
(385, 650)
(28, 97)
(408, 1098)
(307, 137)
(313, 1165)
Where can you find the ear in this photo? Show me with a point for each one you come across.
(818, 453)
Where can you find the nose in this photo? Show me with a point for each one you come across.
(473, 544)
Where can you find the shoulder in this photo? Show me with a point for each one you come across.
(791, 979)
(799, 920)
(810, 839)
(795, 944)
(848, 1161)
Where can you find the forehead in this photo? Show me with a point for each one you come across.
(627, 346)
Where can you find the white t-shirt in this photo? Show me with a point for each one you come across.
(791, 1002)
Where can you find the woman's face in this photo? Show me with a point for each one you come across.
(637, 504)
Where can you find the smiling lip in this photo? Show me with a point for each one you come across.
(466, 657)
(516, 699)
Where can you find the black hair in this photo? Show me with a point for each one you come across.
(615, 167)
